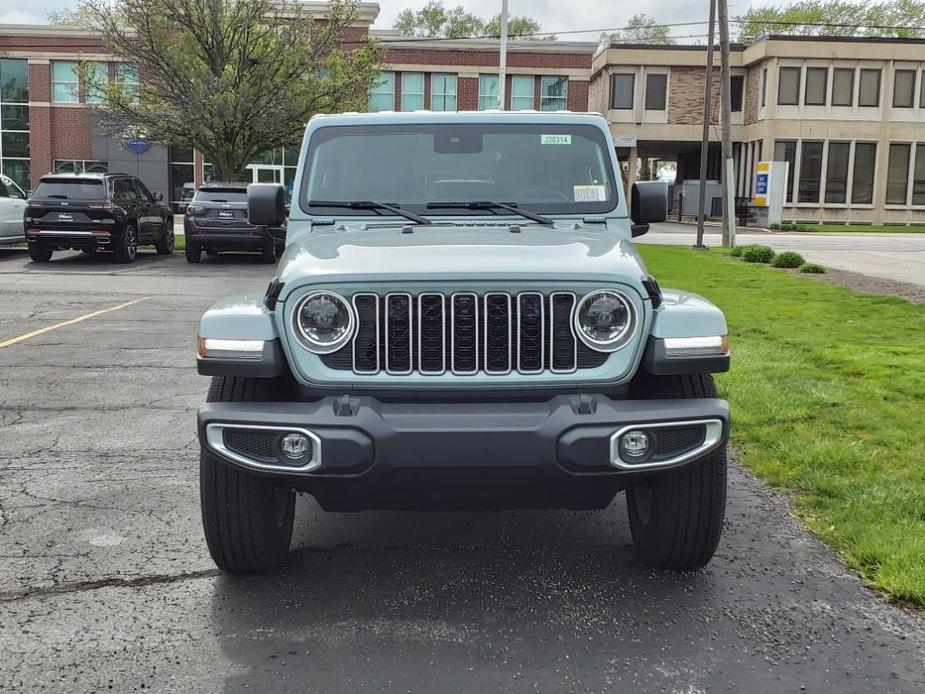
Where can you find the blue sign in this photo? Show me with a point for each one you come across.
(761, 184)
(137, 145)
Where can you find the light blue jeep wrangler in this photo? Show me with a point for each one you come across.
(460, 320)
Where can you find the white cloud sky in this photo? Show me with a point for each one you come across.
(553, 15)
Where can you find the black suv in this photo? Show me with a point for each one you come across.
(216, 220)
(96, 212)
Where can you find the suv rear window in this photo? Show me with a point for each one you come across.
(76, 189)
(221, 195)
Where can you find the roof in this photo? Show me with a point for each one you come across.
(490, 116)
(219, 184)
(88, 174)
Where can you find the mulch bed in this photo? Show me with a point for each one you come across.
(869, 285)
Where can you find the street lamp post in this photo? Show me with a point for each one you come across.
(502, 68)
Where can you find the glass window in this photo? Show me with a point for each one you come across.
(13, 144)
(621, 91)
(521, 92)
(918, 176)
(222, 194)
(382, 95)
(788, 86)
(862, 185)
(810, 171)
(443, 90)
(554, 93)
(412, 91)
(97, 75)
(18, 170)
(843, 87)
(897, 174)
(786, 150)
(736, 87)
(816, 83)
(14, 82)
(552, 168)
(64, 84)
(869, 94)
(836, 173)
(127, 77)
(656, 88)
(488, 92)
(764, 87)
(71, 166)
(922, 91)
(14, 117)
(904, 89)
(70, 189)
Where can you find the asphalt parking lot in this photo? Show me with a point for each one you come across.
(106, 585)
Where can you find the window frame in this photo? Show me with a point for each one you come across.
(485, 79)
(907, 72)
(417, 95)
(803, 184)
(387, 78)
(854, 173)
(56, 81)
(829, 180)
(547, 80)
(816, 70)
(789, 69)
(897, 146)
(663, 95)
(852, 74)
(632, 90)
(868, 71)
(518, 100)
(792, 172)
(444, 94)
(918, 176)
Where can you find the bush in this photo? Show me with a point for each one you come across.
(737, 251)
(757, 254)
(812, 268)
(789, 259)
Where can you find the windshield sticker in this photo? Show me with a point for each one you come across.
(555, 139)
(590, 193)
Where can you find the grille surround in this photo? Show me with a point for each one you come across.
(462, 332)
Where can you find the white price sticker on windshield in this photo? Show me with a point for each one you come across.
(590, 193)
(555, 139)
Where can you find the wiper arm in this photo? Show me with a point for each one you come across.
(371, 205)
(489, 205)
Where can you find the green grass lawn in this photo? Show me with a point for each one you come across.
(827, 392)
(853, 228)
(179, 241)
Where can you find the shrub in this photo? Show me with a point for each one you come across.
(757, 254)
(789, 259)
(737, 251)
(812, 268)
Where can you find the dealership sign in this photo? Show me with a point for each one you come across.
(137, 145)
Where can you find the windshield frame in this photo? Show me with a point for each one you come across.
(587, 130)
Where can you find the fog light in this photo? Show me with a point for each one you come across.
(635, 443)
(296, 447)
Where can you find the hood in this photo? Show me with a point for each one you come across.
(561, 253)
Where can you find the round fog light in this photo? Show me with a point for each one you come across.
(296, 446)
(635, 443)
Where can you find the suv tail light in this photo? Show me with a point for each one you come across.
(195, 209)
(100, 205)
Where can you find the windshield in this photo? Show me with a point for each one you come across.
(75, 189)
(221, 195)
(549, 169)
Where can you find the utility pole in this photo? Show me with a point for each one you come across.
(502, 68)
(729, 219)
(705, 142)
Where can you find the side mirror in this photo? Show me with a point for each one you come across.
(649, 204)
(159, 197)
(266, 205)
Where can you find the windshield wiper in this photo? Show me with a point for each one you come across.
(489, 205)
(370, 205)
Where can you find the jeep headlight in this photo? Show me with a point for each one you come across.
(325, 321)
(604, 320)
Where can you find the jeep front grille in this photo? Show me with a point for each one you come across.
(464, 333)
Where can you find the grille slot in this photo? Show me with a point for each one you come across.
(258, 445)
(465, 333)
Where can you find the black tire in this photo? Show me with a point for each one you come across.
(126, 247)
(247, 519)
(39, 253)
(193, 252)
(269, 253)
(676, 518)
(166, 243)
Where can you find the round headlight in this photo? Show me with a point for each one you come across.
(604, 320)
(325, 321)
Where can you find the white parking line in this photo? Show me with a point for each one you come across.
(72, 321)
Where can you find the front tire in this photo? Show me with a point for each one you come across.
(38, 253)
(247, 519)
(676, 518)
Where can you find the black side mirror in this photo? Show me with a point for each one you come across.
(266, 205)
(159, 196)
(649, 204)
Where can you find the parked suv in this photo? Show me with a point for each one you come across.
(216, 220)
(460, 319)
(12, 208)
(112, 213)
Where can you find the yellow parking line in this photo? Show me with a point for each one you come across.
(49, 328)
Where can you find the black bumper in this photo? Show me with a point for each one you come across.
(550, 454)
(71, 239)
(228, 238)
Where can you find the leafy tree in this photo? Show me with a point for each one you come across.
(71, 17)
(232, 78)
(898, 18)
(641, 28)
(436, 20)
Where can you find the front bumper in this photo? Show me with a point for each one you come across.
(229, 238)
(373, 454)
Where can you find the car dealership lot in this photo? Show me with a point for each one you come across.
(105, 579)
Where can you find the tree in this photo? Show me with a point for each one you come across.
(898, 18)
(641, 28)
(436, 20)
(232, 78)
(72, 17)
